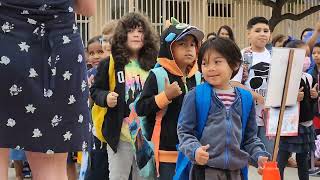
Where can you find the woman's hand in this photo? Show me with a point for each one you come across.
(86, 7)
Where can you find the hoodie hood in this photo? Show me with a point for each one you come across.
(175, 32)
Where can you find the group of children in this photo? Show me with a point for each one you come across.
(165, 86)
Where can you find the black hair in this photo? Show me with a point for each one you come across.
(256, 20)
(226, 47)
(148, 53)
(227, 28)
(317, 45)
(94, 39)
(305, 30)
(211, 34)
(295, 44)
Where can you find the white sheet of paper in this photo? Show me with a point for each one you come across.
(290, 121)
(277, 75)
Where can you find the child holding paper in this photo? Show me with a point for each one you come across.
(302, 144)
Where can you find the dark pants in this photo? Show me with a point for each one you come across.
(207, 173)
(98, 168)
(302, 162)
(167, 171)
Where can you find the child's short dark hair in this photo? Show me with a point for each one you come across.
(317, 45)
(94, 39)
(256, 20)
(226, 47)
(295, 44)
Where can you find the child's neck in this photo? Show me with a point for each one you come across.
(257, 49)
(223, 86)
(318, 67)
(183, 68)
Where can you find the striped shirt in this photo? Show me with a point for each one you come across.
(226, 96)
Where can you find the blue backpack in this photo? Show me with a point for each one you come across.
(203, 103)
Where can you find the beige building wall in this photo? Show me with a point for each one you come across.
(241, 11)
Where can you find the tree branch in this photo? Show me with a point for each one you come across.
(268, 3)
(296, 17)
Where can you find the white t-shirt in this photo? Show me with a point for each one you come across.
(258, 78)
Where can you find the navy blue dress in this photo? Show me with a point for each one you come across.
(43, 90)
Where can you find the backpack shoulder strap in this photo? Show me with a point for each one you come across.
(198, 76)
(161, 74)
(246, 102)
(203, 102)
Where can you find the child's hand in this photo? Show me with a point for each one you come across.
(300, 94)
(314, 91)
(202, 156)
(259, 98)
(261, 161)
(90, 80)
(112, 99)
(172, 90)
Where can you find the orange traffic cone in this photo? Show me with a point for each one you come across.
(271, 171)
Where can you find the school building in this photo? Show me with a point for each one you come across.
(208, 15)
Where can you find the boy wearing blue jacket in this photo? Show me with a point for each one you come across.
(224, 147)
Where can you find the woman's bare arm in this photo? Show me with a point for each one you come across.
(86, 7)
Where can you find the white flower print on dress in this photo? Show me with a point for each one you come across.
(54, 71)
(32, 21)
(66, 39)
(37, 133)
(67, 136)
(90, 127)
(30, 108)
(71, 99)
(15, 90)
(80, 120)
(70, 9)
(42, 30)
(25, 12)
(66, 75)
(11, 122)
(32, 73)
(7, 27)
(84, 146)
(44, 7)
(75, 28)
(4, 60)
(47, 93)
(83, 85)
(80, 58)
(49, 60)
(18, 148)
(55, 16)
(50, 151)
(24, 46)
(56, 120)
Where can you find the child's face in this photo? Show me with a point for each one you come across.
(216, 70)
(135, 40)
(184, 51)
(96, 53)
(316, 55)
(259, 35)
(106, 45)
(224, 33)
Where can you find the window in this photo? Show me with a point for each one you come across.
(83, 28)
(219, 10)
